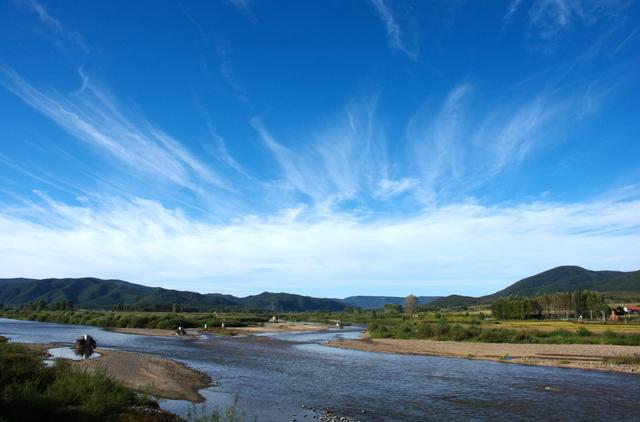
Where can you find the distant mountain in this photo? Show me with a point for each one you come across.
(571, 278)
(96, 293)
(559, 279)
(454, 301)
(290, 302)
(378, 302)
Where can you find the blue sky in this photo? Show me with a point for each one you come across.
(326, 148)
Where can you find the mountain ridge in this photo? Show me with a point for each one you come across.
(565, 278)
(91, 292)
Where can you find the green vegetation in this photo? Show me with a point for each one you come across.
(93, 293)
(572, 278)
(31, 391)
(618, 285)
(475, 331)
(162, 320)
(230, 414)
(624, 360)
(455, 301)
(378, 302)
(557, 305)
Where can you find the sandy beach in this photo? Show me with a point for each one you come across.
(583, 356)
(142, 372)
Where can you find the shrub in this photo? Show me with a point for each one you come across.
(583, 332)
(31, 391)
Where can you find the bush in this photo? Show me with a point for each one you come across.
(31, 391)
(424, 330)
(583, 332)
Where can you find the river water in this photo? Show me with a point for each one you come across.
(274, 375)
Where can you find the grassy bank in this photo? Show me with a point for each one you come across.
(455, 326)
(160, 320)
(479, 332)
(31, 391)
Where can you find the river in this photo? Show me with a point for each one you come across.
(274, 375)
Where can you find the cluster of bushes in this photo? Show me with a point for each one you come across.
(31, 391)
(475, 332)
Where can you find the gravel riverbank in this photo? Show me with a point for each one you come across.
(583, 356)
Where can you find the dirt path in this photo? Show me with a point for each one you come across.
(584, 356)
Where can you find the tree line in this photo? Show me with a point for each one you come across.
(581, 303)
(43, 305)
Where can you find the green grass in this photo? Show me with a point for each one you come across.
(31, 391)
(624, 360)
(122, 319)
(230, 414)
(443, 330)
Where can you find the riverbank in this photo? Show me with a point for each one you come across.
(30, 390)
(277, 327)
(155, 332)
(582, 356)
(142, 372)
(150, 374)
(191, 333)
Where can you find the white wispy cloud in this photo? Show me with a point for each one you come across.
(455, 150)
(228, 75)
(392, 188)
(343, 160)
(395, 32)
(437, 140)
(92, 115)
(57, 33)
(460, 246)
(513, 8)
(220, 151)
(244, 7)
(624, 42)
(551, 18)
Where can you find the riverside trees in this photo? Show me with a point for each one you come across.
(557, 305)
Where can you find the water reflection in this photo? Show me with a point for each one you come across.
(83, 352)
(72, 353)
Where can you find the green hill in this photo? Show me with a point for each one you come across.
(378, 302)
(290, 302)
(571, 278)
(96, 293)
(559, 279)
(104, 294)
(455, 301)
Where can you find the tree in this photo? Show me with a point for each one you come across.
(410, 304)
(62, 305)
(392, 308)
